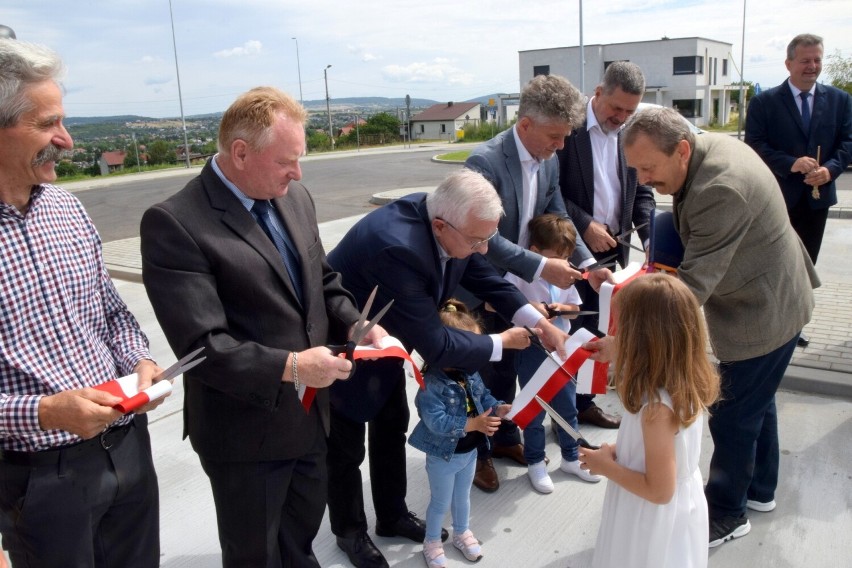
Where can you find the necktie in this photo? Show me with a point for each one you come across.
(806, 110)
(261, 210)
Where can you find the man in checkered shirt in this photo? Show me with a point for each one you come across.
(77, 481)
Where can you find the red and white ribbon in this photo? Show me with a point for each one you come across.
(391, 347)
(131, 397)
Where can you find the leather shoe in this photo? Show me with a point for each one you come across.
(514, 453)
(803, 340)
(486, 476)
(597, 417)
(361, 551)
(408, 526)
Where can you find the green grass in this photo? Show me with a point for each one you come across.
(459, 156)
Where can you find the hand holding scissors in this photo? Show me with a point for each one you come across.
(360, 330)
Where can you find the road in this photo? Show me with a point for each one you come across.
(341, 187)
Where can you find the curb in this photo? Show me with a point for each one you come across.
(817, 381)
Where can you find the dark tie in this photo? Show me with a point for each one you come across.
(806, 110)
(261, 210)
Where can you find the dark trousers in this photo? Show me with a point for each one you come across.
(346, 452)
(809, 224)
(268, 513)
(100, 509)
(501, 379)
(744, 427)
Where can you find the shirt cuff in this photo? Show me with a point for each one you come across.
(526, 315)
(497, 348)
(19, 415)
(540, 269)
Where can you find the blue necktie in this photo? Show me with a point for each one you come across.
(261, 209)
(806, 110)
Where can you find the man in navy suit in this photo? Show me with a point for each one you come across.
(417, 249)
(789, 134)
(600, 192)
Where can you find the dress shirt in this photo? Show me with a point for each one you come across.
(529, 168)
(64, 325)
(607, 208)
(797, 97)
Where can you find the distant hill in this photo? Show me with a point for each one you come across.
(79, 120)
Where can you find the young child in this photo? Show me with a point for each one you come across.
(456, 413)
(654, 511)
(551, 236)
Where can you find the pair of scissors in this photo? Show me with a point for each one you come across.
(183, 365)
(552, 313)
(565, 426)
(607, 262)
(624, 238)
(360, 330)
(536, 340)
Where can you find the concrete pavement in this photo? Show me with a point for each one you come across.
(810, 527)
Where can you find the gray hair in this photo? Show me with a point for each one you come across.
(623, 75)
(23, 65)
(665, 127)
(551, 98)
(805, 40)
(464, 193)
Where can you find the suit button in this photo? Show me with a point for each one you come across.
(267, 403)
(310, 327)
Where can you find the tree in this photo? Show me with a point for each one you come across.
(839, 69)
(383, 126)
(161, 152)
(749, 91)
(66, 169)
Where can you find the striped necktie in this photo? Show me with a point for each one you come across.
(261, 210)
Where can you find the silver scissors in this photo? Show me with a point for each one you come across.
(624, 238)
(360, 330)
(607, 262)
(565, 426)
(183, 365)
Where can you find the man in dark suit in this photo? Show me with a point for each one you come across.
(417, 249)
(600, 192)
(790, 134)
(234, 263)
(520, 163)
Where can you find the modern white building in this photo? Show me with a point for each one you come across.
(691, 74)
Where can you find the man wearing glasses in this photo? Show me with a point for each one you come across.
(417, 249)
(521, 164)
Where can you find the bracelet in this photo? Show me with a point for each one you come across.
(296, 372)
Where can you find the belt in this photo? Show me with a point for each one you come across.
(100, 443)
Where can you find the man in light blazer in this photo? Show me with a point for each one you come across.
(601, 194)
(753, 276)
(775, 128)
(521, 164)
(234, 263)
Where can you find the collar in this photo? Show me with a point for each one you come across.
(246, 201)
(796, 90)
(523, 154)
(592, 121)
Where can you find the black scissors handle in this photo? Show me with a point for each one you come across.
(345, 351)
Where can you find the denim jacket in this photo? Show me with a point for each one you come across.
(442, 410)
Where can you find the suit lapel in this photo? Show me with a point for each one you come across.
(789, 102)
(586, 160)
(820, 107)
(513, 165)
(291, 223)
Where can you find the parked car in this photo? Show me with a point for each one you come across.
(695, 129)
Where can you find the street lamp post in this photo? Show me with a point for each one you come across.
(328, 106)
(180, 96)
(299, 69)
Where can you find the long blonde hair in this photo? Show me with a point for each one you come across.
(661, 342)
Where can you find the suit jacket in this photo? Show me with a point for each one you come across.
(577, 184)
(394, 247)
(216, 280)
(774, 129)
(499, 162)
(742, 258)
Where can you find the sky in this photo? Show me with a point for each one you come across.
(120, 56)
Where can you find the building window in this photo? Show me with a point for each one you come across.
(690, 108)
(691, 65)
(443, 129)
(422, 128)
(541, 70)
(724, 68)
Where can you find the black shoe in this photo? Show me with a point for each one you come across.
(361, 551)
(408, 526)
(803, 340)
(726, 528)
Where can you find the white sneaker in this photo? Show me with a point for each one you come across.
(574, 468)
(433, 553)
(541, 482)
(761, 506)
(468, 545)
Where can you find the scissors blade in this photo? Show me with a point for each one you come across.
(601, 263)
(624, 238)
(360, 334)
(178, 367)
(536, 340)
(555, 416)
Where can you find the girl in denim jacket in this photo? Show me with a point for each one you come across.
(456, 411)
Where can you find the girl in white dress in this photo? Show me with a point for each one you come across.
(654, 512)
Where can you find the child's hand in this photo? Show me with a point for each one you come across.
(598, 462)
(484, 423)
(503, 410)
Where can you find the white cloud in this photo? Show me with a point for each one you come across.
(439, 70)
(251, 47)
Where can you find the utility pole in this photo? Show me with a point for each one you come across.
(328, 106)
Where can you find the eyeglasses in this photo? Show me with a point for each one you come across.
(476, 244)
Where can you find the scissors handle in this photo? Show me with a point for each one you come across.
(345, 351)
(586, 444)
